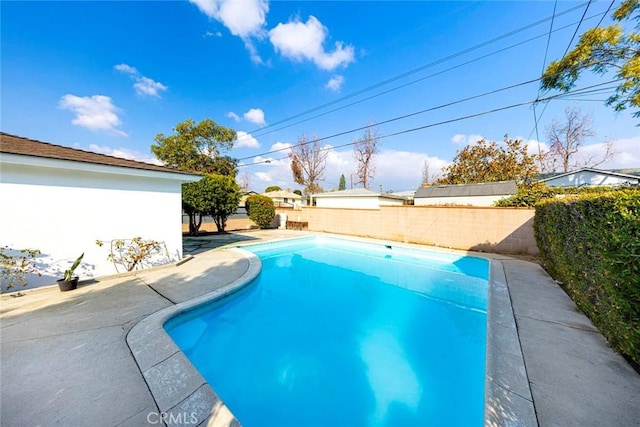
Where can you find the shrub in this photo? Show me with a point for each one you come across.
(261, 210)
(591, 243)
(530, 194)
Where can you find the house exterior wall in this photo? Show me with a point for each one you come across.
(459, 201)
(62, 212)
(361, 202)
(583, 178)
(499, 230)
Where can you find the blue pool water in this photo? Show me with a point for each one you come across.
(339, 333)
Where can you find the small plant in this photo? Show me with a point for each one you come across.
(133, 253)
(68, 274)
(16, 266)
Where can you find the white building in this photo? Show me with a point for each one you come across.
(60, 200)
(590, 177)
(357, 198)
(483, 194)
(285, 199)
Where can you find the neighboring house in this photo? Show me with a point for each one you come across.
(284, 199)
(590, 177)
(483, 194)
(60, 200)
(357, 198)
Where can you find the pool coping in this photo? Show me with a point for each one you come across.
(181, 392)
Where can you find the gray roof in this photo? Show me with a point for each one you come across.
(500, 188)
(12, 144)
(620, 173)
(358, 192)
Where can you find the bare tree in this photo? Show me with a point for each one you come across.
(566, 139)
(244, 181)
(364, 151)
(428, 176)
(308, 161)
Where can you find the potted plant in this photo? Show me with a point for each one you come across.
(70, 281)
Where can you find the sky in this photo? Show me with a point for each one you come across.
(108, 76)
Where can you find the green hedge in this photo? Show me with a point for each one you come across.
(591, 243)
(261, 210)
(530, 194)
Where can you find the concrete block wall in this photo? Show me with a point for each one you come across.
(489, 229)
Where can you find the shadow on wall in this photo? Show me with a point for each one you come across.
(21, 271)
(513, 243)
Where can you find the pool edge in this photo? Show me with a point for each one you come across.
(179, 390)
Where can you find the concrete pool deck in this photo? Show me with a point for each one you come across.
(66, 359)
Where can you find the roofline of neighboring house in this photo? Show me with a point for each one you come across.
(61, 157)
(600, 171)
(373, 194)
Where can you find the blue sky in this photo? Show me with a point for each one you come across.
(107, 76)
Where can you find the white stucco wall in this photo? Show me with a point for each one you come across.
(583, 178)
(63, 212)
(360, 202)
(459, 201)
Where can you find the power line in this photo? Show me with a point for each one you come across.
(412, 82)
(457, 119)
(410, 72)
(577, 28)
(404, 116)
(537, 118)
(544, 66)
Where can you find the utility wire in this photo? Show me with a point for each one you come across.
(413, 71)
(544, 66)
(537, 118)
(404, 116)
(410, 83)
(470, 116)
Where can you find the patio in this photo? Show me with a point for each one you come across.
(66, 361)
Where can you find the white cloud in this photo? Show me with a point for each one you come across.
(281, 146)
(233, 116)
(245, 139)
(627, 154)
(256, 116)
(402, 170)
(299, 41)
(243, 18)
(143, 85)
(95, 112)
(212, 34)
(146, 86)
(461, 139)
(264, 176)
(335, 83)
(124, 153)
(128, 69)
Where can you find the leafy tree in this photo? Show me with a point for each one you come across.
(214, 195)
(261, 210)
(343, 183)
(308, 161)
(271, 188)
(364, 151)
(197, 148)
(298, 192)
(565, 139)
(489, 162)
(601, 50)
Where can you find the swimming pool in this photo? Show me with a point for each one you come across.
(335, 332)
